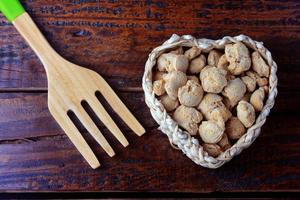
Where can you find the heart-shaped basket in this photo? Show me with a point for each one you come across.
(179, 138)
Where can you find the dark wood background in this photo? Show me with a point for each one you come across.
(114, 38)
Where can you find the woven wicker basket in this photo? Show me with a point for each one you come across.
(179, 138)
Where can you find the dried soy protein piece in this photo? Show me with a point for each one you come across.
(159, 87)
(257, 99)
(223, 63)
(213, 79)
(193, 78)
(235, 91)
(213, 108)
(188, 118)
(197, 64)
(172, 62)
(246, 113)
(238, 57)
(235, 128)
(259, 65)
(224, 143)
(249, 82)
(190, 94)
(169, 103)
(213, 57)
(212, 149)
(192, 53)
(211, 132)
(173, 81)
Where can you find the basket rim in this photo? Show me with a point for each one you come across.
(180, 138)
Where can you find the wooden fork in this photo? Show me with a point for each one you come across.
(69, 85)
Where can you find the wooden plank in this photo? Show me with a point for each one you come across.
(26, 115)
(80, 30)
(116, 37)
(150, 164)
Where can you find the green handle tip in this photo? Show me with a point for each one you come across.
(11, 9)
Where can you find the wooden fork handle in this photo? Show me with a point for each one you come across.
(30, 32)
(15, 13)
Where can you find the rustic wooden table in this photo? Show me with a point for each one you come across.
(114, 38)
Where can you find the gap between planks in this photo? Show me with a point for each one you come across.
(50, 137)
(45, 90)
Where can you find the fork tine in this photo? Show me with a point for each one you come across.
(74, 135)
(93, 130)
(119, 107)
(107, 120)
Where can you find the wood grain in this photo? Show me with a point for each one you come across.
(114, 39)
(81, 30)
(35, 150)
(31, 110)
(149, 163)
